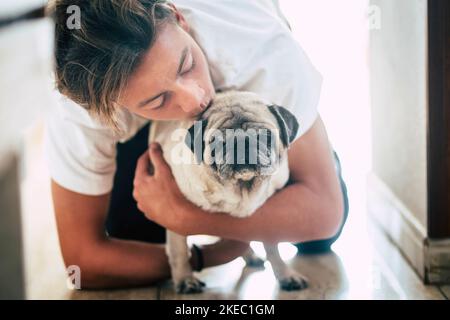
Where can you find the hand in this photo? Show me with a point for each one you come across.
(158, 195)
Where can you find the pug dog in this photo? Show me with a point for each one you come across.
(230, 160)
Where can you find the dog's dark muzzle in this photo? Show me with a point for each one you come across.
(242, 152)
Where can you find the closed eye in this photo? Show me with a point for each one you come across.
(185, 59)
(192, 66)
(158, 103)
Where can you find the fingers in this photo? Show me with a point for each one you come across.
(157, 159)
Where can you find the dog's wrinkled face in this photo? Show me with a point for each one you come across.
(241, 137)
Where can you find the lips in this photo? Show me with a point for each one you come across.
(206, 105)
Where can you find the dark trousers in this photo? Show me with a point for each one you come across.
(126, 221)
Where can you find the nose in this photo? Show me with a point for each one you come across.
(191, 97)
(240, 167)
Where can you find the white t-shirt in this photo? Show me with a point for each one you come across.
(248, 47)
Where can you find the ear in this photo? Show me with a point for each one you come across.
(194, 139)
(287, 123)
(180, 18)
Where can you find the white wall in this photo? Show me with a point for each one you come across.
(398, 54)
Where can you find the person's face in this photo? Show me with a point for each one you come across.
(173, 81)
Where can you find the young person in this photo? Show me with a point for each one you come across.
(132, 61)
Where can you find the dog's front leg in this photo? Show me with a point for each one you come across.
(288, 278)
(252, 259)
(178, 253)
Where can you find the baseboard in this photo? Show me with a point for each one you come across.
(437, 261)
(429, 258)
(397, 222)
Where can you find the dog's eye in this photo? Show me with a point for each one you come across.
(265, 140)
(216, 147)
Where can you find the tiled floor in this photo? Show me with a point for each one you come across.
(332, 276)
(364, 264)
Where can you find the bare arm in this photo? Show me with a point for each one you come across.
(108, 262)
(309, 208)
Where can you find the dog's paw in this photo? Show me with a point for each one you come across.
(293, 281)
(189, 285)
(254, 261)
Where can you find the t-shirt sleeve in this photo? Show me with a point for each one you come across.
(282, 73)
(80, 153)
(300, 83)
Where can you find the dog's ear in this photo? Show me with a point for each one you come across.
(287, 123)
(194, 139)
